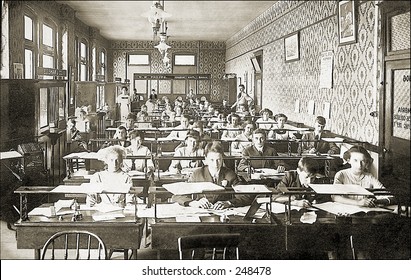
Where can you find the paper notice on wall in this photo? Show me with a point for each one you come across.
(327, 110)
(326, 74)
(311, 107)
(297, 106)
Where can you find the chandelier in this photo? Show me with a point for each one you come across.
(156, 16)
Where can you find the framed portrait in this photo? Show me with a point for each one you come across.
(347, 30)
(292, 47)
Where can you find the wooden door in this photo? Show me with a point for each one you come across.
(396, 144)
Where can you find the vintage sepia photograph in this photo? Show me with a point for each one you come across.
(205, 139)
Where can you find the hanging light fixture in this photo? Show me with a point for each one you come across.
(156, 16)
(162, 45)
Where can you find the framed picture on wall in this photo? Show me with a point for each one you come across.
(292, 47)
(347, 29)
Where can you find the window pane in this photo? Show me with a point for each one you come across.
(138, 59)
(28, 64)
(48, 61)
(103, 58)
(83, 71)
(83, 50)
(184, 59)
(28, 28)
(47, 36)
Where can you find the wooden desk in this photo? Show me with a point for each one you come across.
(122, 233)
(33, 231)
(385, 238)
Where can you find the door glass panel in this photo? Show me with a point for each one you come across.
(401, 104)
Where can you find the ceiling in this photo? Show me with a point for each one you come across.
(190, 20)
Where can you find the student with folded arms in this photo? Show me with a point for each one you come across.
(113, 175)
(358, 174)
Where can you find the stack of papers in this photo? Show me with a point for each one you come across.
(181, 188)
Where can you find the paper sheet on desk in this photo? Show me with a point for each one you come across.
(340, 189)
(181, 188)
(107, 216)
(347, 209)
(251, 188)
(63, 203)
(88, 188)
(169, 210)
(41, 211)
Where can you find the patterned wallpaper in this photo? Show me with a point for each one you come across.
(351, 97)
(211, 57)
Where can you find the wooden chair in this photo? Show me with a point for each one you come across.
(220, 245)
(71, 242)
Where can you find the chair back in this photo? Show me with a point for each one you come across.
(219, 245)
(74, 244)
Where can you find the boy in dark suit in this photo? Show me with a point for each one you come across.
(215, 172)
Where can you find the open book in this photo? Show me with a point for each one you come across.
(347, 209)
(181, 188)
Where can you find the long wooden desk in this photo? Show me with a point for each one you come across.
(121, 233)
(33, 231)
(384, 236)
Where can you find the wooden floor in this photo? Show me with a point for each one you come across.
(9, 251)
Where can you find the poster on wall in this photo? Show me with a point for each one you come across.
(326, 69)
(18, 71)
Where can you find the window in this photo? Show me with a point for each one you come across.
(28, 28)
(30, 46)
(48, 50)
(48, 36)
(103, 63)
(185, 59)
(138, 59)
(48, 61)
(28, 64)
(83, 60)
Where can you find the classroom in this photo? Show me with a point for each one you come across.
(167, 130)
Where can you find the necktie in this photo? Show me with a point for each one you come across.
(317, 138)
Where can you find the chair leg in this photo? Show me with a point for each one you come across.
(354, 255)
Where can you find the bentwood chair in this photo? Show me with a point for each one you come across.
(209, 246)
(74, 244)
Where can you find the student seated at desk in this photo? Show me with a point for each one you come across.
(137, 149)
(265, 122)
(318, 146)
(83, 123)
(142, 109)
(233, 123)
(204, 138)
(307, 171)
(358, 174)
(215, 172)
(260, 148)
(130, 122)
(113, 175)
(143, 121)
(181, 130)
(190, 149)
(278, 131)
(121, 134)
(75, 138)
(244, 139)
